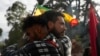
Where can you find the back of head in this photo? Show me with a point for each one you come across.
(51, 15)
(29, 21)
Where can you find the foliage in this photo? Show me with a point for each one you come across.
(1, 46)
(1, 31)
(15, 13)
(14, 17)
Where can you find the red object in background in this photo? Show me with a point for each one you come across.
(73, 22)
(92, 30)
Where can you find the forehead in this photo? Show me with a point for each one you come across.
(61, 19)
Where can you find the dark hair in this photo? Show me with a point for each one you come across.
(51, 15)
(29, 21)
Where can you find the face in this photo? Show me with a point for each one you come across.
(37, 32)
(59, 27)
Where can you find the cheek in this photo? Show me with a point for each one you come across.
(58, 27)
(62, 27)
(39, 33)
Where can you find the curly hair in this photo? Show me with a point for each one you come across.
(30, 21)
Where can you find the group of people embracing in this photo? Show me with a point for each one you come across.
(44, 36)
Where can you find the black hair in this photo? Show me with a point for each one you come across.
(29, 21)
(51, 15)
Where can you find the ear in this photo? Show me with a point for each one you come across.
(50, 25)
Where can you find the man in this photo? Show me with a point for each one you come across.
(36, 30)
(56, 25)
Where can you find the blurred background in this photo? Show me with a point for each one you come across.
(77, 19)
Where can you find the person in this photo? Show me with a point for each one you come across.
(36, 30)
(54, 32)
(56, 25)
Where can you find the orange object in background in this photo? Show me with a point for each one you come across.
(73, 22)
(68, 18)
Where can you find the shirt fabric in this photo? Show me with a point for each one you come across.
(45, 47)
(67, 45)
(36, 48)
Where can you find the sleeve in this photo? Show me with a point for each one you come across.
(26, 50)
(9, 50)
(67, 45)
(70, 47)
(29, 49)
(34, 49)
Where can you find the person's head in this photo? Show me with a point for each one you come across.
(34, 27)
(55, 22)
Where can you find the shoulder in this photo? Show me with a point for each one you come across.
(40, 48)
(38, 44)
(9, 49)
(65, 39)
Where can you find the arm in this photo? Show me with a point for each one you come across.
(67, 45)
(13, 51)
(36, 48)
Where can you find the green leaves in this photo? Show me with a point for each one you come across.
(15, 12)
(14, 17)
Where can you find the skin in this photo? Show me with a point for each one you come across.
(58, 28)
(37, 32)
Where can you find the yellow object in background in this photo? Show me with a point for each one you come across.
(37, 12)
(67, 17)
